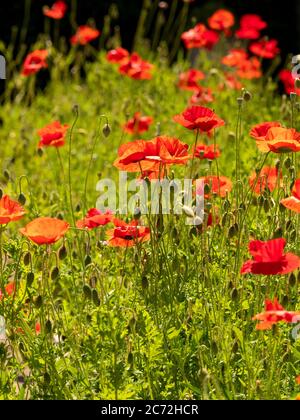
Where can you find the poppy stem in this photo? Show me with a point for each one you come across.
(69, 166)
(194, 152)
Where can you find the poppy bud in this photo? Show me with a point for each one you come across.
(1, 193)
(226, 205)
(214, 347)
(145, 282)
(234, 294)
(87, 291)
(95, 297)
(298, 277)
(47, 379)
(62, 252)
(235, 347)
(233, 231)
(40, 152)
(30, 278)
(78, 208)
(6, 175)
(293, 236)
(278, 233)
(292, 172)
(22, 199)
(106, 130)
(48, 326)
(75, 108)
(206, 189)
(288, 162)
(224, 220)
(38, 301)
(54, 273)
(285, 300)
(87, 260)
(132, 323)
(289, 225)
(93, 282)
(130, 358)
(27, 258)
(266, 205)
(292, 280)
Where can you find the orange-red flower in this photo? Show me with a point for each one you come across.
(143, 156)
(221, 20)
(211, 152)
(220, 186)
(9, 290)
(199, 118)
(189, 80)
(138, 124)
(275, 138)
(231, 81)
(194, 38)
(45, 230)
(250, 27)
(293, 202)
(136, 68)
(250, 69)
(288, 81)
(53, 134)
(202, 95)
(269, 258)
(235, 57)
(274, 313)
(94, 219)
(298, 380)
(265, 49)
(57, 11)
(84, 35)
(10, 211)
(268, 178)
(127, 234)
(34, 62)
(200, 37)
(117, 55)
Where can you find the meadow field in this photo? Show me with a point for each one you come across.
(98, 304)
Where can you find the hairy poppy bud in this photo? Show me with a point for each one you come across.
(22, 199)
(62, 252)
(48, 326)
(106, 130)
(292, 280)
(234, 294)
(38, 301)
(27, 258)
(54, 273)
(288, 162)
(6, 175)
(1, 193)
(297, 83)
(293, 97)
(40, 152)
(95, 297)
(87, 260)
(145, 282)
(87, 291)
(30, 278)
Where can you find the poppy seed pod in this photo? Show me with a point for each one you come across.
(293, 97)
(106, 130)
(247, 96)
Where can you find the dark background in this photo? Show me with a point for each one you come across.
(283, 17)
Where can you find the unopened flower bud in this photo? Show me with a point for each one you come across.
(106, 130)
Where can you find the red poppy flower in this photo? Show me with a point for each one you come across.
(189, 80)
(298, 380)
(53, 134)
(199, 118)
(250, 27)
(268, 178)
(45, 230)
(10, 211)
(234, 57)
(84, 35)
(9, 290)
(136, 68)
(57, 11)
(127, 234)
(194, 38)
(220, 186)
(37, 328)
(117, 55)
(34, 62)
(94, 219)
(221, 20)
(265, 49)
(293, 203)
(279, 140)
(202, 96)
(274, 313)
(259, 132)
(231, 81)
(207, 152)
(288, 81)
(142, 155)
(138, 124)
(211, 38)
(250, 69)
(269, 258)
